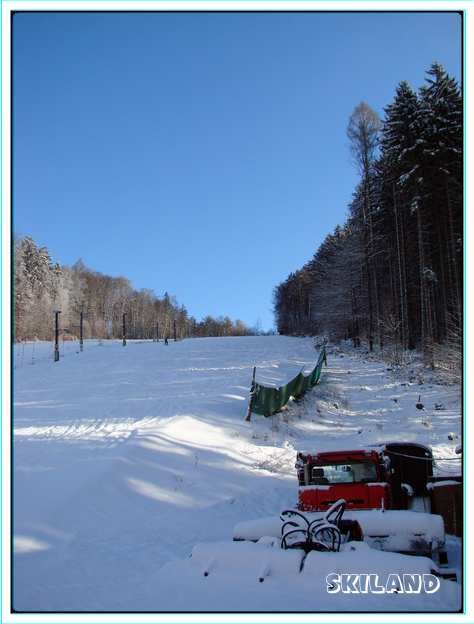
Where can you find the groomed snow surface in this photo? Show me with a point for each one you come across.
(127, 459)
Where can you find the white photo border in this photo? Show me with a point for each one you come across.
(466, 7)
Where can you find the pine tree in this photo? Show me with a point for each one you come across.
(399, 255)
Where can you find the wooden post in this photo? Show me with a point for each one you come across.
(252, 390)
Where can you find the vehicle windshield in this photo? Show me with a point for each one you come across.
(344, 472)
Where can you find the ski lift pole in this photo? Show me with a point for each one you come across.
(252, 394)
(81, 332)
(56, 335)
(124, 333)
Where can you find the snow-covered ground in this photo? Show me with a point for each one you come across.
(126, 458)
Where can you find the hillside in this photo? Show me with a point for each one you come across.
(125, 458)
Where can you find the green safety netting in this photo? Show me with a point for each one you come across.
(268, 401)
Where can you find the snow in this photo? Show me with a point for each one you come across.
(436, 484)
(258, 560)
(255, 529)
(397, 528)
(127, 460)
(237, 585)
(359, 558)
(408, 489)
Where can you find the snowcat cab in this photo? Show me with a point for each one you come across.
(385, 478)
(361, 478)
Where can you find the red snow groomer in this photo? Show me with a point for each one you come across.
(385, 493)
(378, 495)
(388, 477)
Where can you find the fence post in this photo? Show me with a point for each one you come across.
(252, 391)
(81, 332)
(56, 335)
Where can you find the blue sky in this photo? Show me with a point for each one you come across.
(203, 154)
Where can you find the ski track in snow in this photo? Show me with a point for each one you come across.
(125, 458)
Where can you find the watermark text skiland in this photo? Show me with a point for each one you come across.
(382, 584)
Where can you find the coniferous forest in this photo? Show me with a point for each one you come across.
(391, 276)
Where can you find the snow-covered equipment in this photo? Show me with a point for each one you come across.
(293, 543)
(361, 535)
(259, 560)
(321, 533)
(230, 564)
(354, 495)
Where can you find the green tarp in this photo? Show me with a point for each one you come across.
(268, 401)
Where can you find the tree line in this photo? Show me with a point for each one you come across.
(41, 286)
(392, 274)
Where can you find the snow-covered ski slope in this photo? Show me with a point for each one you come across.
(125, 458)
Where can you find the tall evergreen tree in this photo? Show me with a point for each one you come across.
(399, 255)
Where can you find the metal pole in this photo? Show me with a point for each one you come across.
(56, 335)
(81, 332)
(124, 333)
(174, 330)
